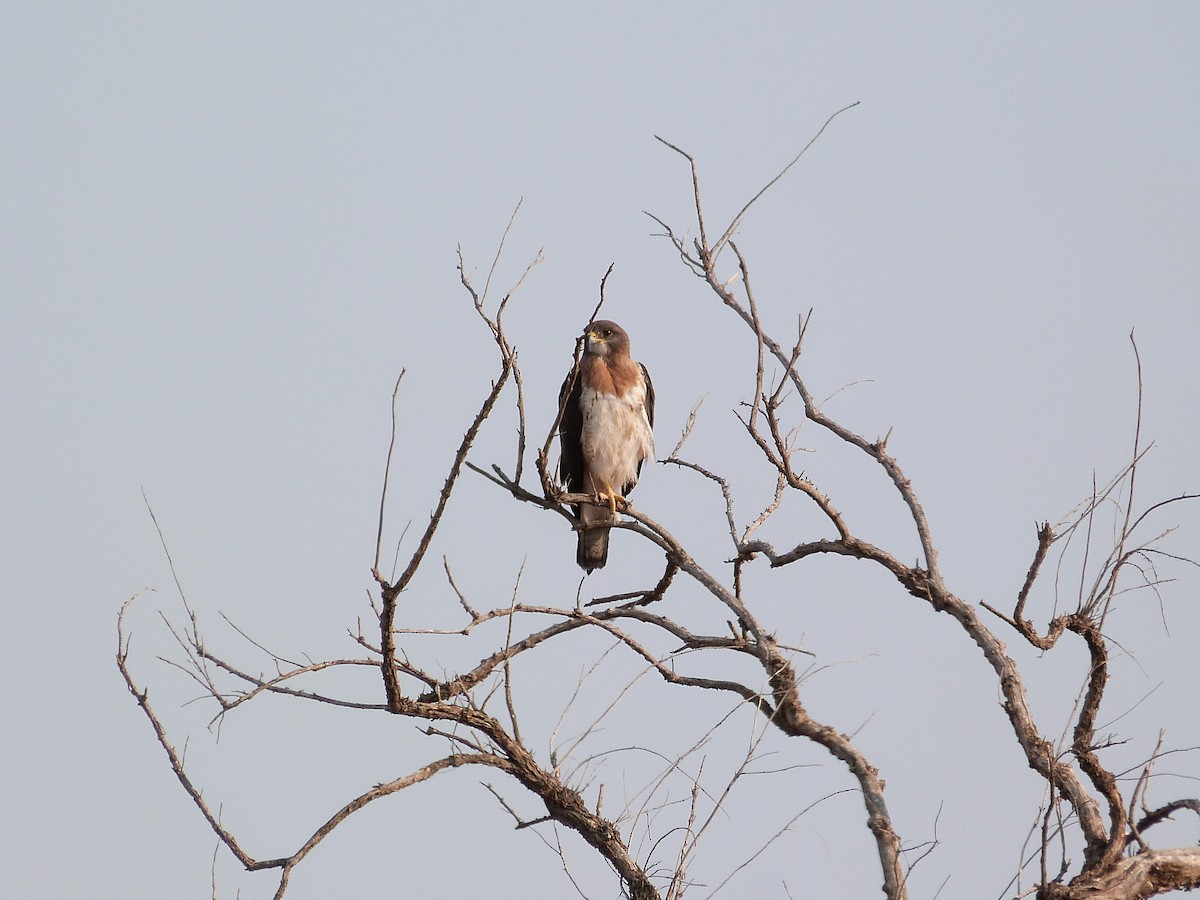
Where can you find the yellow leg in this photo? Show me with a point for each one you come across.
(611, 497)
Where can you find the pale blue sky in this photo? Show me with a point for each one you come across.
(228, 226)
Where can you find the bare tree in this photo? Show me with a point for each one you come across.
(1093, 837)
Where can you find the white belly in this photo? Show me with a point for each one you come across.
(616, 437)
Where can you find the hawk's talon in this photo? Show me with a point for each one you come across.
(610, 498)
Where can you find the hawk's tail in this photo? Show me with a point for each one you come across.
(592, 552)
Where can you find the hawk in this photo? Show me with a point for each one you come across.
(605, 436)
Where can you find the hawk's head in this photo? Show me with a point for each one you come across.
(605, 338)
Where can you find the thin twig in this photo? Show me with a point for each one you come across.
(387, 471)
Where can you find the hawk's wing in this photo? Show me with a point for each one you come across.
(649, 405)
(570, 433)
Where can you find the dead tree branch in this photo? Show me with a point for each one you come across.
(670, 639)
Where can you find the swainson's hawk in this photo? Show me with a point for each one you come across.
(605, 434)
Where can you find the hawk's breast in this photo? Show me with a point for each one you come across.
(616, 437)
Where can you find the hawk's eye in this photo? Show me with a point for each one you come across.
(608, 332)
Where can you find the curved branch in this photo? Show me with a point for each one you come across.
(563, 803)
(790, 716)
(424, 773)
(1134, 878)
(143, 700)
(1165, 812)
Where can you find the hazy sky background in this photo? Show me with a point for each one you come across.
(227, 227)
